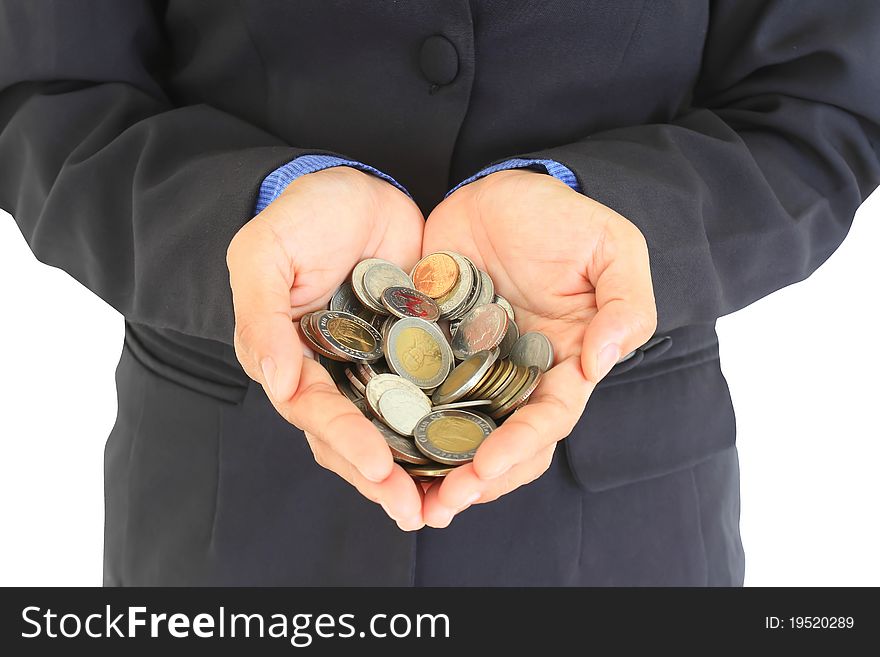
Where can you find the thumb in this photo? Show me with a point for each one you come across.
(627, 313)
(266, 340)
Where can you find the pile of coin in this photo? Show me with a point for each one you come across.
(434, 357)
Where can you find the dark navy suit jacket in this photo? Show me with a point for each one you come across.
(739, 136)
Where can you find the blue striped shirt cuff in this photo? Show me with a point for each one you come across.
(277, 181)
(552, 167)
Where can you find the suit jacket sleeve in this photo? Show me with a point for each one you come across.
(135, 197)
(756, 183)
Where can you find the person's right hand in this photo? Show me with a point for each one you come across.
(288, 261)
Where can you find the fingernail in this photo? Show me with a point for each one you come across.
(387, 511)
(608, 357)
(471, 500)
(445, 517)
(267, 365)
(410, 524)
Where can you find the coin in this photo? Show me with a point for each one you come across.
(355, 382)
(402, 448)
(383, 275)
(521, 396)
(357, 285)
(450, 437)
(473, 295)
(487, 290)
(347, 335)
(509, 340)
(464, 377)
(344, 299)
(363, 408)
(533, 348)
(462, 404)
(504, 303)
(401, 410)
(382, 383)
(482, 328)
(406, 302)
(498, 383)
(455, 300)
(435, 275)
(429, 471)
(366, 371)
(305, 324)
(417, 350)
(509, 391)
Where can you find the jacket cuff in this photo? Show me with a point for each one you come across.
(550, 167)
(277, 181)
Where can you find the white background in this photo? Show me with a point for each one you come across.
(802, 366)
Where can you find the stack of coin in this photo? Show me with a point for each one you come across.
(434, 358)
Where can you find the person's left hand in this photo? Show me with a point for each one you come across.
(572, 269)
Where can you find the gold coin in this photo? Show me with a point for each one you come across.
(435, 275)
(350, 334)
(499, 384)
(418, 352)
(491, 377)
(429, 471)
(453, 434)
(509, 391)
(522, 395)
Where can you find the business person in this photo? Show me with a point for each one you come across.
(627, 172)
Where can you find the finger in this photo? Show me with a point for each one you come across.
(266, 341)
(320, 409)
(627, 313)
(462, 487)
(397, 494)
(549, 416)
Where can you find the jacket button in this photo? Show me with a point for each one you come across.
(438, 60)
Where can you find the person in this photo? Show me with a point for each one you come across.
(626, 172)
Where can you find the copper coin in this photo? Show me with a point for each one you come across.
(435, 275)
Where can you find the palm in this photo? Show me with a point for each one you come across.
(322, 235)
(535, 264)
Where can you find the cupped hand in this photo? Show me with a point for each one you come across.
(287, 261)
(572, 269)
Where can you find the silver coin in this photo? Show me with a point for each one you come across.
(462, 404)
(383, 275)
(348, 335)
(382, 383)
(504, 303)
(509, 340)
(345, 300)
(401, 409)
(418, 351)
(533, 349)
(357, 284)
(402, 448)
(456, 299)
(407, 302)
(363, 408)
(487, 290)
(483, 328)
(464, 377)
(453, 326)
(471, 301)
(450, 437)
